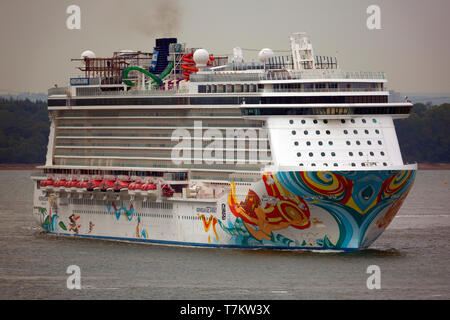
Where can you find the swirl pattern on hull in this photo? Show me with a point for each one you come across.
(353, 200)
(281, 211)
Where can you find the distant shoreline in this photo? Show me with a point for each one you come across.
(434, 166)
(422, 166)
(10, 166)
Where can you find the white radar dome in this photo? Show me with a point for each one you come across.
(88, 54)
(265, 54)
(201, 57)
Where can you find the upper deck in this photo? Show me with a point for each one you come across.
(306, 112)
(173, 69)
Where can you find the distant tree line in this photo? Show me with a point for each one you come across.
(425, 135)
(24, 129)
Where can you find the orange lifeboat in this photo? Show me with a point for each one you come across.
(148, 186)
(106, 185)
(93, 185)
(136, 185)
(72, 183)
(83, 184)
(60, 183)
(46, 183)
(121, 185)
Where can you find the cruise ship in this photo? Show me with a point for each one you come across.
(179, 146)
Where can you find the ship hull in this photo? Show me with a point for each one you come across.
(295, 210)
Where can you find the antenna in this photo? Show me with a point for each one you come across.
(302, 51)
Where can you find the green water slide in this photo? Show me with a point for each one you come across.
(156, 79)
(166, 71)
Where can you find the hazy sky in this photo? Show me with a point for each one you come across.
(413, 45)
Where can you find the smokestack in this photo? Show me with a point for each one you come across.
(162, 52)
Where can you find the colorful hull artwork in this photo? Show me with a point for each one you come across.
(326, 210)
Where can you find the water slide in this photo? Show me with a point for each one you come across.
(188, 66)
(156, 79)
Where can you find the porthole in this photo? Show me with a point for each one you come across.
(350, 154)
(303, 121)
(358, 143)
(345, 132)
(371, 153)
(335, 164)
(342, 121)
(306, 132)
(352, 120)
(348, 143)
(353, 164)
(363, 164)
(325, 121)
(296, 143)
(325, 164)
(313, 164)
(299, 154)
(330, 143)
(291, 121)
(374, 120)
(315, 121)
(328, 132)
(301, 164)
(293, 132)
(385, 164)
(322, 154)
(360, 153)
(382, 153)
(369, 142)
(355, 131)
(317, 132)
(320, 143)
(363, 120)
(377, 131)
(308, 143)
(333, 154)
(366, 131)
(379, 142)
(311, 154)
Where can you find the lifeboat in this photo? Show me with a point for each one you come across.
(72, 183)
(135, 188)
(106, 185)
(149, 186)
(57, 183)
(93, 185)
(82, 185)
(167, 191)
(136, 185)
(120, 185)
(61, 184)
(46, 183)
